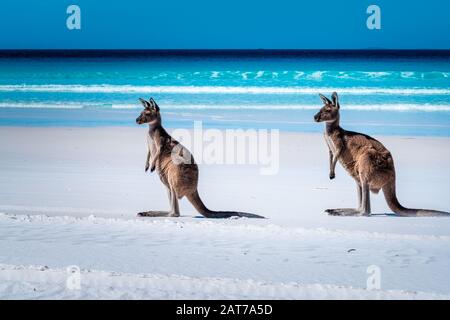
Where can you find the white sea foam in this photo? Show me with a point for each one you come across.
(361, 107)
(407, 74)
(308, 75)
(34, 105)
(317, 75)
(377, 74)
(298, 75)
(108, 88)
(259, 74)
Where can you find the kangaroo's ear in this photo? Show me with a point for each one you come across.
(324, 99)
(144, 103)
(335, 98)
(154, 104)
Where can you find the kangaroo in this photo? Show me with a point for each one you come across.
(175, 166)
(366, 160)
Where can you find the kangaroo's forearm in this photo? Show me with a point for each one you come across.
(149, 154)
(333, 160)
(333, 163)
(147, 160)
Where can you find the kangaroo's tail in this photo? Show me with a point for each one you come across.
(198, 204)
(394, 204)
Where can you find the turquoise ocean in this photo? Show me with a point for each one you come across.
(387, 93)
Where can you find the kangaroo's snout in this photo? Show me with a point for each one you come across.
(138, 120)
(317, 117)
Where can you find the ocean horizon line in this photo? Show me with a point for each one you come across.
(342, 53)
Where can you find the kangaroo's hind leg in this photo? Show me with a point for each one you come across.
(349, 211)
(174, 210)
(365, 201)
(359, 193)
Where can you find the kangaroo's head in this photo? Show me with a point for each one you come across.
(150, 114)
(330, 110)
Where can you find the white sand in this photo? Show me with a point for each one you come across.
(65, 173)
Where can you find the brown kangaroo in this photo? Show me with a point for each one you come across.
(366, 160)
(176, 168)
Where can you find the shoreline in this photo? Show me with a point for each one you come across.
(376, 123)
(189, 128)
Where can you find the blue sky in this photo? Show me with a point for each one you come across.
(224, 24)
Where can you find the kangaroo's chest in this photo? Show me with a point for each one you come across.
(345, 157)
(331, 144)
(152, 148)
(151, 144)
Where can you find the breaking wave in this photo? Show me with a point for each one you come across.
(124, 106)
(108, 88)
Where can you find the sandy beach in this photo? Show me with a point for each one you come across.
(69, 196)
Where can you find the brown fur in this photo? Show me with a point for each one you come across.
(366, 160)
(180, 176)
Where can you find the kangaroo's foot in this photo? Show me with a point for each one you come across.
(250, 215)
(158, 214)
(346, 212)
(364, 203)
(230, 214)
